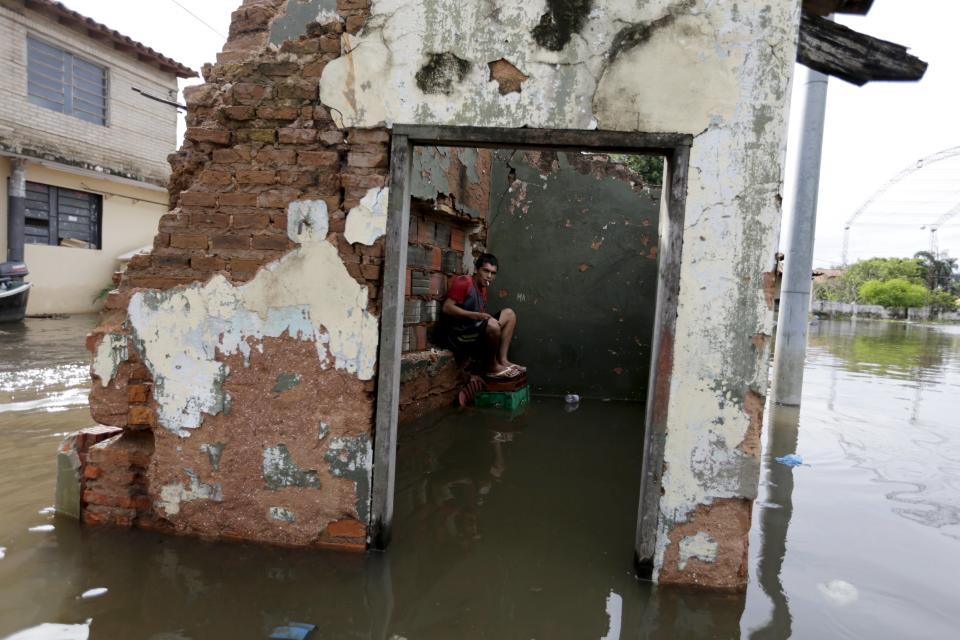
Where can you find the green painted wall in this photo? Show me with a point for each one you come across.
(576, 237)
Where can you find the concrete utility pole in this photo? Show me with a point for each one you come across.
(16, 206)
(791, 344)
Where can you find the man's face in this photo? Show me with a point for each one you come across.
(485, 274)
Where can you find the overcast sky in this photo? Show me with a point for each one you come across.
(872, 132)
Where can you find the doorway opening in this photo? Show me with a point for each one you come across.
(430, 238)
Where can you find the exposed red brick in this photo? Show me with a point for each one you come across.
(296, 136)
(278, 68)
(457, 239)
(240, 112)
(360, 159)
(278, 113)
(368, 136)
(230, 241)
(256, 220)
(348, 528)
(257, 135)
(188, 240)
(138, 393)
(138, 415)
(248, 93)
(215, 136)
(238, 199)
(256, 177)
(333, 137)
(319, 158)
(213, 178)
(277, 198)
(207, 264)
(277, 156)
(271, 241)
(198, 199)
(209, 221)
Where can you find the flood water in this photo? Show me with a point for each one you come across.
(522, 526)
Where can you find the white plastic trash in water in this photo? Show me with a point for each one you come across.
(96, 592)
(572, 398)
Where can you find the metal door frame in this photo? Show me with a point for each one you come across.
(676, 148)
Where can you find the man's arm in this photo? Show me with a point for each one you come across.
(451, 309)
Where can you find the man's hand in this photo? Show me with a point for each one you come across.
(481, 315)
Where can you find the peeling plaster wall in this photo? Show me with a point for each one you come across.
(261, 134)
(718, 70)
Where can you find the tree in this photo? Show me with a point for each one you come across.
(898, 293)
(938, 272)
(942, 300)
(650, 168)
(846, 287)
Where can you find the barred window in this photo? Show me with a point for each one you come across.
(60, 81)
(58, 216)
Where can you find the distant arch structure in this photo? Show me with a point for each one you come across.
(924, 195)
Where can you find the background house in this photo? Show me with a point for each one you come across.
(92, 148)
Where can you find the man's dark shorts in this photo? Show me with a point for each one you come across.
(469, 340)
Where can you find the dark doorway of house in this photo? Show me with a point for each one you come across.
(555, 206)
(576, 236)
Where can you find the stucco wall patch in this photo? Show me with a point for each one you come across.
(352, 458)
(111, 351)
(368, 220)
(700, 546)
(172, 496)
(307, 294)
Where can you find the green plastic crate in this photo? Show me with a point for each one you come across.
(511, 400)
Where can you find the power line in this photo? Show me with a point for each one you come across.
(199, 19)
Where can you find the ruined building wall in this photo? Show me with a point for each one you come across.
(240, 356)
(576, 236)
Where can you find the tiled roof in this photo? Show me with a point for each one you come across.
(102, 33)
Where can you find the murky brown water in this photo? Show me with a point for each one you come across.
(523, 528)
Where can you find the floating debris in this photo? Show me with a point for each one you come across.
(96, 592)
(790, 460)
(46, 511)
(292, 631)
(3, 552)
(41, 528)
(839, 592)
(571, 398)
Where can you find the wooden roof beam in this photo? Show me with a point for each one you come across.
(841, 52)
(826, 7)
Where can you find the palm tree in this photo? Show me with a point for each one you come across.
(939, 271)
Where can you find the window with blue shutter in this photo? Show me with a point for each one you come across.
(58, 216)
(58, 80)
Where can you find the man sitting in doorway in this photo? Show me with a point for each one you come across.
(471, 330)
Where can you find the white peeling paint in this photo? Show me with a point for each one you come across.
(615, 614)
(368, 220)
(281, 514)
(54, 631)
(700, 546)
(172, 495)
(307, 294)
(111, 351)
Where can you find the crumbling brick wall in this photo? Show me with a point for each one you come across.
(257, 140)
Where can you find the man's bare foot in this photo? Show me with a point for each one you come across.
(502, 372)
(518, 367)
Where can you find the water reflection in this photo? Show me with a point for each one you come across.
(776, 510)
(522, 526)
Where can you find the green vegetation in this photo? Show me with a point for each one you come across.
(650, 168)
(897, 292)
(923, 280)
